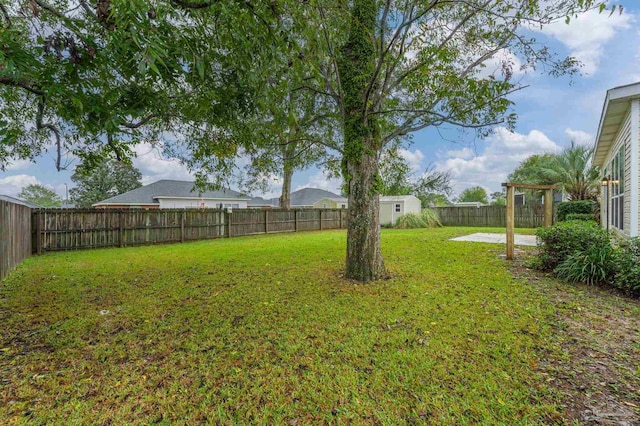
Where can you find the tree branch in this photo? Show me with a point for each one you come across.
(50, 9)
(140, 123)
(21, 83)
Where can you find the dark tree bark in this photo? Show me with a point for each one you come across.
(364, 255)
(361, 146)
(285, 197)
(288, 151)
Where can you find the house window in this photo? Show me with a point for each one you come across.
(397, 208)
(344, 206)
(616, 172)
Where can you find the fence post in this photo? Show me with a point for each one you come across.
(182, 219)
(340, 212)
(228, 218)
(321, 220)
(121, 228)
(38, 233)
(266, 221)
(295, 220)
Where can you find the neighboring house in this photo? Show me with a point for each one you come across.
(174, 194)
(391, 208)
(306, 197)
(331, 203)
(617, 153)
(19, 201)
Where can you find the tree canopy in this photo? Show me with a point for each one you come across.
(96, 78)
(475, 194)
(95, 183)
(571, 171)
(40, 195)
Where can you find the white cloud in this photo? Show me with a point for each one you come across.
(504, 151)
(413, 159)
(587, 34)
(18, 165)
(464, 153)
(154, 166)
(12, 185)
(579, 137)
(322, 181)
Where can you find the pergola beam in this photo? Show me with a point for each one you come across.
(511, 208)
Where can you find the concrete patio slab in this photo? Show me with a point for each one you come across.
(485, 237)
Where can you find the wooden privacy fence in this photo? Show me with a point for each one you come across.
(15, 235)
(527, 216)
(56, 229)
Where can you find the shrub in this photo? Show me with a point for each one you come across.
(580, 216)
(431, 218)
(562, 240)
(426, 219)
(595, 264)
(579, 207)
(410, 221)
(628, 276)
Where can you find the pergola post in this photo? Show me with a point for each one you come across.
(511, 209)
(511, 219)
(548, 208)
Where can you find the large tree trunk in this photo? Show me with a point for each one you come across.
(361, 145)
(288, 152)
(285, 196)
(364, 255)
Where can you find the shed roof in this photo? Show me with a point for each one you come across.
(614, 111)
(14, 200)
(396, 198)
(170, 189)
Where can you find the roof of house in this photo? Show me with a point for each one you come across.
(614, 111)
(335, 199)
(19, 201)
(393, 198)
(302, 197)
(169, 189)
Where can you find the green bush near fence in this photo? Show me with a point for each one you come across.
(575, 207)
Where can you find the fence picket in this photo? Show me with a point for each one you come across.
(526, 216)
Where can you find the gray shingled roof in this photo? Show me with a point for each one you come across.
(19, 201)
(302, 197)
(167, 188)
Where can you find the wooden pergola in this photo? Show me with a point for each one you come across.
(511, 218)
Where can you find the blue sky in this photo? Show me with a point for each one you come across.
(551, 112)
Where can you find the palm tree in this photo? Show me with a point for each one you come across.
(574, 172)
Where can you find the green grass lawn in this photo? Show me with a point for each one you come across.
(264, 330)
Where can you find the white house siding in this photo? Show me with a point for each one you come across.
(622, 139)
(634, 181)
(196, 203)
